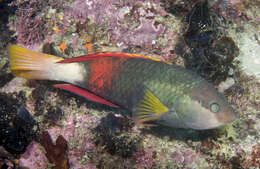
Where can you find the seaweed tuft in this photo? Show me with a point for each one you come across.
(205, 47)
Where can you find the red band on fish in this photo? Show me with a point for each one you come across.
(103, 72)
(84, 93)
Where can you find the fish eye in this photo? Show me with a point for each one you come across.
(214, 107)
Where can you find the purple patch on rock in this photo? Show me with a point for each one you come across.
(34, 157)
(141, 36)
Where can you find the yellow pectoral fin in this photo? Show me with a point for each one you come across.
(149, 108)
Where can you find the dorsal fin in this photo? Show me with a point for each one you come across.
(107, 54)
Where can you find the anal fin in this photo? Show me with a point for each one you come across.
(86, 94)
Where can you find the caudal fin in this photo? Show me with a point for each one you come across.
(31, 65)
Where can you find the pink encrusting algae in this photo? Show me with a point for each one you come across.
(149, 27)
(34, 157)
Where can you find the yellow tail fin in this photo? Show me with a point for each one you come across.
(31, 65)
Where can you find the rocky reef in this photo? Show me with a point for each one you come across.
(50, 128)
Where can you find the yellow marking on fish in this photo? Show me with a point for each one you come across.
(149, 108)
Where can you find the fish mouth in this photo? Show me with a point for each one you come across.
(227, 116)
(211, 121)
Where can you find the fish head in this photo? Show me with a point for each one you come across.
(203, 107)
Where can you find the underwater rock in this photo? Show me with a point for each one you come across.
(17, 127)
(5, 78)
(200, 30)
(209, 52)
(34, 157)
(247, 39)
(75, 130)
(254, 158)
(144, 158)
(30, 22)
(178, 8)
(113, 134)
(111, 23)
(229, 82)
(6, 159)
(5, 33)
(71, 143)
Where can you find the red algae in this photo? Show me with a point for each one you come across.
(55, 153)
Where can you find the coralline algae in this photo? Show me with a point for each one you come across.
(96, 138)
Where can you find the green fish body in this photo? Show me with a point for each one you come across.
(151, 90)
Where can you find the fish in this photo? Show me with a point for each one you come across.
(150, 89)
